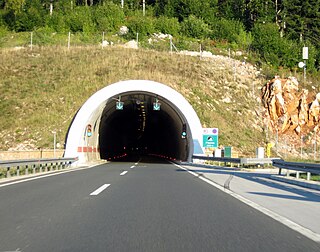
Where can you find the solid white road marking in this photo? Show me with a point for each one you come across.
(132, 166)
(100, 189)
(123, 173)
(302, 230)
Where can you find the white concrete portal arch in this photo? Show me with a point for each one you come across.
(78, 144)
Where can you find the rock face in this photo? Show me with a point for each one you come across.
(288, 108)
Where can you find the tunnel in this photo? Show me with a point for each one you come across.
(135, 117)
(146, 124)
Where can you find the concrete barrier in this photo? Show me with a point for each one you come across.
(30, 154)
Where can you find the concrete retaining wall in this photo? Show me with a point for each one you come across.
(30, 154)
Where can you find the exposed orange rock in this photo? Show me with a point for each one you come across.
(290, 109)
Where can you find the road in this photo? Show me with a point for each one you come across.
(135, 206)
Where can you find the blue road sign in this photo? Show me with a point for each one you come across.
(210, 137)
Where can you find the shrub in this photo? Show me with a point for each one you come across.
(230, 30)
(140, 24)
(3, 34)
(80, 20)
(57, 22)
(195, 27)
(43, 36)
(167, 25)
(108, 17)
(244, 39)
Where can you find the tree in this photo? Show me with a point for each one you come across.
(302, 20)
(195, 27)
(14, 5)
(108, 17)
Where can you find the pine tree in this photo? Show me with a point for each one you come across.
(302, 20)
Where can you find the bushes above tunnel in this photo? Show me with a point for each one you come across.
(201, 20)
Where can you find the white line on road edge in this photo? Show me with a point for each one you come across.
(99, 190)
(302, 230)
(131, 167)
(123, 173)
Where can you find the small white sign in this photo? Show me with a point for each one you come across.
(305, 54)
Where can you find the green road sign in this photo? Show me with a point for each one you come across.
(227, 151)
(119, 106)
(156, 106)
(210, 138)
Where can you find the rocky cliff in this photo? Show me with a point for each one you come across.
(290, 111)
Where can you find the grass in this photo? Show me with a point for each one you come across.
(313, 177)
(42, 89)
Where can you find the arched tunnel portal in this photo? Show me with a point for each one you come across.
(137, 117)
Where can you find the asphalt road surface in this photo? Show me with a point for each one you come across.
(135, 206)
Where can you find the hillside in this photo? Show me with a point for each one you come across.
(41, 90)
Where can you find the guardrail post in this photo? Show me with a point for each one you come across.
(18, 171)
(26, 170)
(46, 167)
(34, 169)
(308, 176)
(298, 175)
(8, 172)
(288, 173)
(279, 171)
(40, 168)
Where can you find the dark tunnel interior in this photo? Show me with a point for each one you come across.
(139, 129)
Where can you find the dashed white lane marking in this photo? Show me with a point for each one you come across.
(131, 167)
(302, 230)
(100, 189)
(123, 173)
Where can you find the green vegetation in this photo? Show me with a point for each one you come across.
(313, 177)
(42, 89)
(274, 30)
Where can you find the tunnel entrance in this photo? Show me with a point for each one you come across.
(138, 123)
(137, 117)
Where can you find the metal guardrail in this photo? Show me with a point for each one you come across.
(297, 166)
(32, 165)
(239, 161)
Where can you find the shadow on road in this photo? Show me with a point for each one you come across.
(302, 194)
